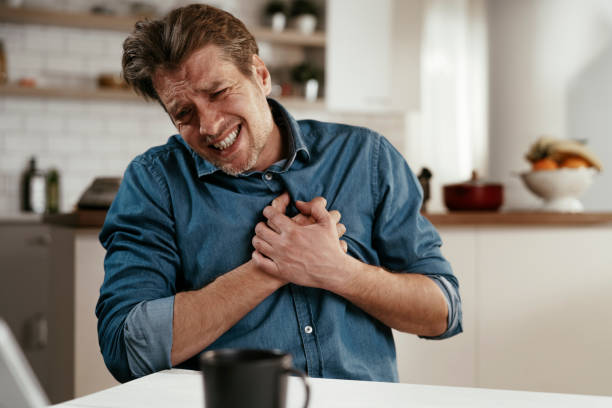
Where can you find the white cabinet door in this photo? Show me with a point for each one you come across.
(358, 54)
(545, 309)
(451, 361)
(91, 374)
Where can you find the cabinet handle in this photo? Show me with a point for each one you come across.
(38, 332)
(40, 240)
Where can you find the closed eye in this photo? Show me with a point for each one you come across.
(217, 94)
(182, 114)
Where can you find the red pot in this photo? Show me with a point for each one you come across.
(473, 195)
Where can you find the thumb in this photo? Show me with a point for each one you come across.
(281, 202)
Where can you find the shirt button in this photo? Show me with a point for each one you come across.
(308, 329)
(268, 176)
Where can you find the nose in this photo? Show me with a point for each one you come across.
(210, 118)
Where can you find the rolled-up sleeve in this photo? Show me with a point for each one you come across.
(135, 307)
(405, 240)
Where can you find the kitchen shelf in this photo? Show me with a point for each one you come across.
(69, 93)
(126, 24)
(122, 95)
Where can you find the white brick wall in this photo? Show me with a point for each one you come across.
(85, 139)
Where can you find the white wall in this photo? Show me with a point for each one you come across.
(539, 51)
(588, 110)
(82, 139)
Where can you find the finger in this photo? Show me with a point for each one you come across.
(278, 221)
(335, 216)
(302, 219)
(265, 264)
(319, 213)
(341, 229)
(344, 246)
(262, 246)
(306, 207)
(281, 202)
(263, 231)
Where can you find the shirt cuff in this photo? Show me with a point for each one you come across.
(147, 335)
(453, 303)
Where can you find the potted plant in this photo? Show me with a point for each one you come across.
(308, 76)
(305, 14)
(276, 13)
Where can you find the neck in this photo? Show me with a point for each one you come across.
(274, 150)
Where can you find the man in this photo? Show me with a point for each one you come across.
(222, 237)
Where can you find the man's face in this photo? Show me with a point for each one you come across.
(221, 113)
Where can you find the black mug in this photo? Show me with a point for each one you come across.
(239, 378)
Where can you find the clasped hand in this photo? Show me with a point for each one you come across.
(306, 249)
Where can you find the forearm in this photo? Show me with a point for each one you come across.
(201, 316)
(407, 302)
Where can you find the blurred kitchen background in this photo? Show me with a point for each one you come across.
(455, 85)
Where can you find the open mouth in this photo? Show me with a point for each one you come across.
(228, 141)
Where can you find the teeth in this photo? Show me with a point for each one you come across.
(228, 141)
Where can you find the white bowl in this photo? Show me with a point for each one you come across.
(560, 188)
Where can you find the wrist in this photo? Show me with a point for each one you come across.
(272, 281)
(347, 276)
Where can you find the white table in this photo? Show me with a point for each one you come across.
(184, 388)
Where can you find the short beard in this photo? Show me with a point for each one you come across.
(250, 163)
(235, 171)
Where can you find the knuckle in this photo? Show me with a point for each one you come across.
(320, 201)
(291, 235)
(269, 211)
(275, 218)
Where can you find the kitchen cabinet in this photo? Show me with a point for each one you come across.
(25, 270)
(373, 55)
(36, 300)
(537, 307)
(90, 372)
(358, 56)
(50, 280)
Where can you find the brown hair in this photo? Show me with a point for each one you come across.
(166, 43)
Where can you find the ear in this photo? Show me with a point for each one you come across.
(262, 75)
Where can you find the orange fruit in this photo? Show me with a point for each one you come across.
(575, 162)
(545, 164)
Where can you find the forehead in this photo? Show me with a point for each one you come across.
(202, 70)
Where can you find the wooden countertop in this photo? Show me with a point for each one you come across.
(78, 219)
(95, 219)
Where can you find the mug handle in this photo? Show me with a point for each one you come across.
(304, 381)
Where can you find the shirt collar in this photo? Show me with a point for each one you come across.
(288, 127)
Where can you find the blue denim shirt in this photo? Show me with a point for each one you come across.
(177, 223)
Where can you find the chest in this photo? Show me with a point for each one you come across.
(215, 221)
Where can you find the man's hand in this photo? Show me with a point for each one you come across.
(305, 216)
(298, 250)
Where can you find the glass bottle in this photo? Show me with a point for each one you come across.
(53, 191)
(34, 189)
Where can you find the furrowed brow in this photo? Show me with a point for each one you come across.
(212, 87)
